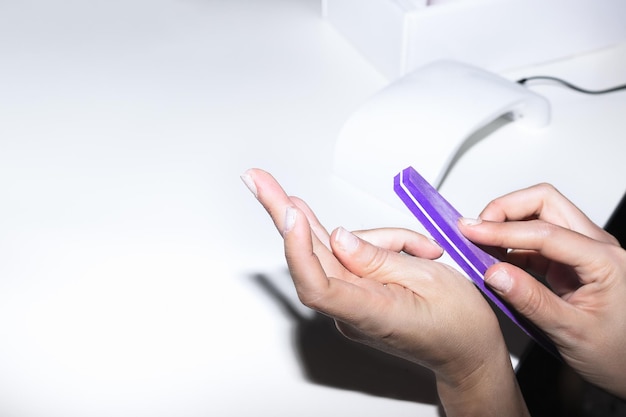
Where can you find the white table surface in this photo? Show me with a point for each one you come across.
(130, 251)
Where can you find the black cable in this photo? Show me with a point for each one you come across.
(572, 86)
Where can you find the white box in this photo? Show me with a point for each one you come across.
(397, 36)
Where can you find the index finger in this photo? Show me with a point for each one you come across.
(551, 241)
(545, 202)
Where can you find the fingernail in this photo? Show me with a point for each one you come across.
(470, 222)
(247, 179)
(500, 281)
(290, 219)
(346, 240)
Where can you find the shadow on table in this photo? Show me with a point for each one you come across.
(328, 358)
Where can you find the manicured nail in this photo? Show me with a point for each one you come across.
(247, 179)
(500, 281)
(347, 241)
(290, 219)
(470, 222)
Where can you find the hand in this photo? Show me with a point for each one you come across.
(410, 306)
(584, 311)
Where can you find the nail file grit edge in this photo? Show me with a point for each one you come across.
(439, 218)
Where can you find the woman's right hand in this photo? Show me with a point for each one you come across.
(584, 311)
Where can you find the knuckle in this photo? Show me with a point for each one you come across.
(546, 188)
(494, 204)
(533, 302)
(376, 264)
(546, 230)
(616, 253)
(311, 299)
(496, 209)
(610, 265)
(612, 240)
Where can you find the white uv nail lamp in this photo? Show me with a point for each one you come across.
(424, 120)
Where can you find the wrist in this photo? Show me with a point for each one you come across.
(486, 388)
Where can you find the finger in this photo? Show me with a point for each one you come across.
(402, 240)
(330, 264)
(561, 279)
(274, 199)
(365, 260)
(551, 241)
(545, 202)
(276, 202)
(342, 299)
(532, 299)
(316, 227)
(321, 241)
(269, 193)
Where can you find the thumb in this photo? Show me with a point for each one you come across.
(529, 297)
(386, 265)
(358, 256)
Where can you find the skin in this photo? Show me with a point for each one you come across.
(583, 307)
(384, 289)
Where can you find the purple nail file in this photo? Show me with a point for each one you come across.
(440, 220)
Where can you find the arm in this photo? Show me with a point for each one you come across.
(584, 310)
(409, 306)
